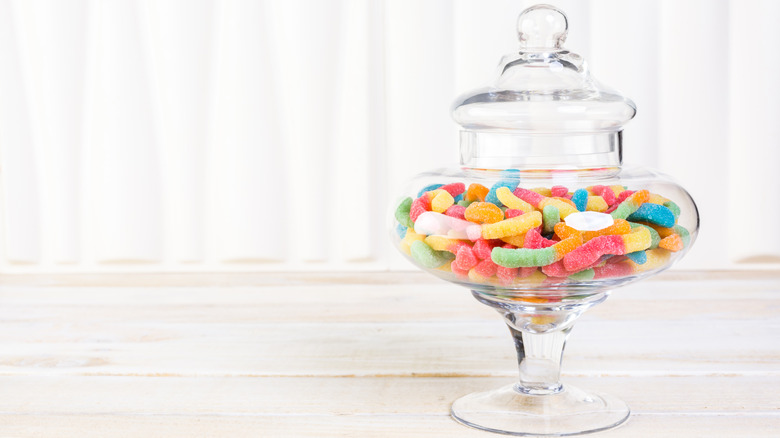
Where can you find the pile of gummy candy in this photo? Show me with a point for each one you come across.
(510, 235)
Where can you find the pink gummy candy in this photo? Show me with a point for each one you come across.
(465, 259)
(590, 252)
(483, 248)
(534, 240)
(606, 193)
(457, 270)
(623, 195)
(559, 191)
(454, 189)
(419, 206)
(613, 270)
(457, 211)
(528, 196)
(512, 212)
(506, 274)
(486, 268)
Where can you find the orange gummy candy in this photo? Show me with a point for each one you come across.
(483, 213)
(672, 242)
(476, 192)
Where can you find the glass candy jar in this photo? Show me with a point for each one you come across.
(541, 222)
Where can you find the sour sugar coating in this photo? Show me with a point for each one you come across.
(482, 248)
(630, 205)
(441, 201)
(675, 209)
(402, 213)
(620, 226)
(401, 230)
(486, 268)
(524, 257)
(510, 200)
(517, 241)
(624, 195)
(544, 191)
(655, 238)
(638, 239)
(456, 211)
(654, 214)
(418, 207)
(409, 239)
(454, 189)
(457, 271)
(476, 192)
(512, 227)
(564, 206)
(591, 251)
(605, 192)
(559, 191)
(677, 229)
(597, 204)
(584, 275)
(428, 189)
(612, 270)
(492, 197)
(511, 212)
(427, 256)
(506, 275)
(529, 196)
(638, 257)
(580, 199)
(465, 259)
(534, 240)
(672, 242)
(483, 213)
(551, 216)
(442, 243)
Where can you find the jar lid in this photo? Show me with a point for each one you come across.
(544, 88)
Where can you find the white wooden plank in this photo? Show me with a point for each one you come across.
(370, 426)
(163, 395)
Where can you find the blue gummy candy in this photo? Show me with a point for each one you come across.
(458, 198)
(493, 198)
(401, 230)
(654, 214)
(638, 257)
(580, 199)
(428, 189)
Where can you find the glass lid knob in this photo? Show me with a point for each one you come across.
(542, 28)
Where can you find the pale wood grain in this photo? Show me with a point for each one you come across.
(365, 355)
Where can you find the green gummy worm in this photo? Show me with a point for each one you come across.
(586, 274)
(522, 257)
(550, 217)
(427, 257)
(402, 213)
(674, 208)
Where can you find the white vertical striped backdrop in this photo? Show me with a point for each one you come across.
(211, 135)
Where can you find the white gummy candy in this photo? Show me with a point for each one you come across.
(589, 221)
(432, 223)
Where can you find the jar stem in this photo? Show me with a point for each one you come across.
(539, 358)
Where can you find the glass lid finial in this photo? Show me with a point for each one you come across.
(542, 27)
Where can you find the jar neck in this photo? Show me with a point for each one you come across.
(496, 150)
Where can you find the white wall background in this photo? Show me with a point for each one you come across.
(231, 135)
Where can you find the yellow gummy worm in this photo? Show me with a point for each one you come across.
(563, 207)
(637, 240)
(510, 200)
(511, 227)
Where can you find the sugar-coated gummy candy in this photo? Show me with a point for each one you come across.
(584, 275)
(655, 259)
(580, 199)
(637, 240)
(410, 237)
(611, 270)
(534, 240)
(565, 207)
(506, 275)
(516, 241)
(427, 256)
(509, 213)
(655, 238)
(672, 242)
(596, 203)
(441, 201)
(550, 216)
(523, 257)
(419, 206)
(674, 208)
(464, 273)
(654, 214)
(492, 197)
(605, 192)
(620, 226)
(508, 198)
(482, 248)
(630, 205)
(400, 229)
(428, 189)
(443, 243)
(624, 195)
(486, 268)
(456, 211)
(465, 258)
(454, 189)
(638, 257)
(476, 192)
(512, 227)
(529, 196)
(544, 191)
(683, 233)
(559, 191)
(402, 213)
(589, 252)
(483, 213)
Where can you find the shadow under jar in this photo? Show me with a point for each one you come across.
(541, 222)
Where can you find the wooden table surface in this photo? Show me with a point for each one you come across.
(366, 355)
